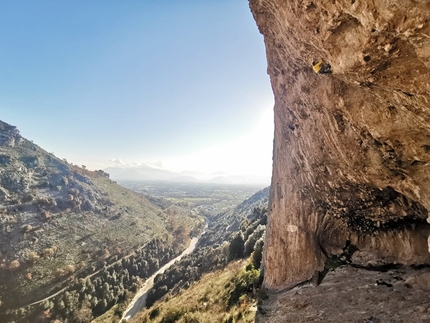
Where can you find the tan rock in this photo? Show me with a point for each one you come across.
(352, 148)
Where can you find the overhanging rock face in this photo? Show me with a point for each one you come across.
(352, 147)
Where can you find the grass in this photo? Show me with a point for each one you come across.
(111, 316)
(206, 301)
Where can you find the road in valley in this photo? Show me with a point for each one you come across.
(139, 300)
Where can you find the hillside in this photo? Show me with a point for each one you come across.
(224, 224)
(206, 301)
(211, 284)
(60, 222)
(217, 261)
(146, 172)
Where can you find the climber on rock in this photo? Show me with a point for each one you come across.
(321, 67)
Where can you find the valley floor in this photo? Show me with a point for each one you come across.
(354, 295)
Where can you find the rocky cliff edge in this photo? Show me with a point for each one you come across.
(352, 147)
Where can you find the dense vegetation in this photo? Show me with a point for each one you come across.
(115, 283)
(235, 295)
(247, 242)
(210, 299)
(87, 298)
(225, 286)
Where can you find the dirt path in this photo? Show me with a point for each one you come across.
(354, 295)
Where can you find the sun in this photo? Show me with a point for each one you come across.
(248, 155)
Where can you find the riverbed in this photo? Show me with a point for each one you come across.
(139, 300)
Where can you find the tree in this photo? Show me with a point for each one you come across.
(257, 256)
(252, 239)
(236, 247)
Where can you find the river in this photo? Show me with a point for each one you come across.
(139, 300)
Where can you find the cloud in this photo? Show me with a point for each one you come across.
(156, 164)
(117, 161)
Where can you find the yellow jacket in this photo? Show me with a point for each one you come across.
(317, 66)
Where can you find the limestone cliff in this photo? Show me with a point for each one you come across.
(351, 148)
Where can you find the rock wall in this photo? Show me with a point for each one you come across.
(352, 148)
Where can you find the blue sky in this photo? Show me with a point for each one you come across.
(125, 82)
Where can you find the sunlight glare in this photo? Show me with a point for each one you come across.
(250, 154)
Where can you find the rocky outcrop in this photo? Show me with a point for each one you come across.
(9, 135)
(352, 147)
(361, 296)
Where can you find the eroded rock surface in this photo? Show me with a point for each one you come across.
(355, 296)
(9, 135)
(352, 148)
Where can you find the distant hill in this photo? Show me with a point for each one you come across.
(224, 224)
(151, 173)
(185, 179)
(142, 172)
(59, 222)
(237, 179)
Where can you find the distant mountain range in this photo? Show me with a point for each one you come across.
(152, 173)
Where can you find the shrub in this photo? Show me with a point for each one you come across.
(244, 282)
(69, 269)
(26, 228)
(33, 256)
(84, 315)
(74, 191)
(191, 318)
(236, 247)
(257, 256)
(59, 272)
(46, 215)
(43, 202)
(14, 265)
(120, 309)
(154, 313)
(172, 315)
(252, 239)
(48, 252)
